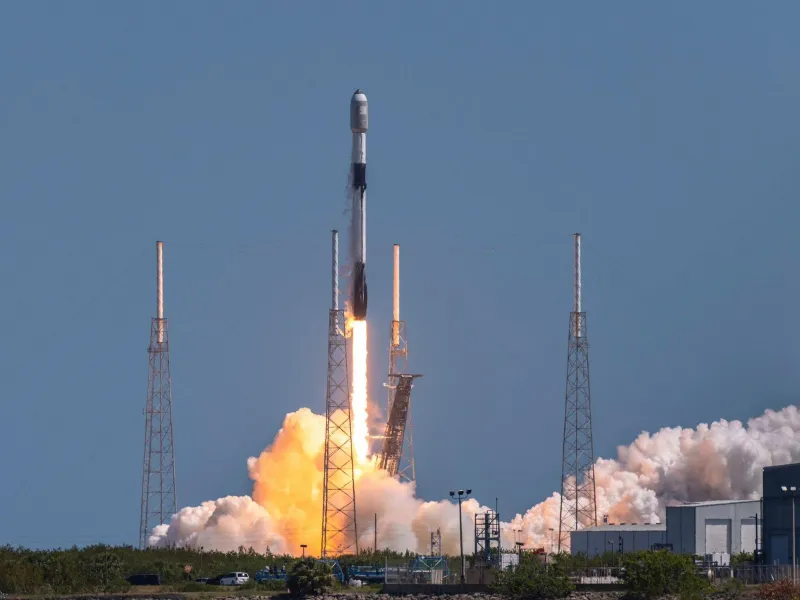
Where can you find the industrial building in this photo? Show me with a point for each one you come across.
(718, 528)
(593, 541)
(708, 529)
(780, 485)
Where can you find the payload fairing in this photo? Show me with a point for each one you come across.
(358, 232)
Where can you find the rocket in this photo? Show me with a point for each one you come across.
(358, 190)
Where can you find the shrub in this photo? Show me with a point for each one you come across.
(531, 579)
(730, 589)
(656, 573)
(782, 589)
(273, 585)
(309, 578)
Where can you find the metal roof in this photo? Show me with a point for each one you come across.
(627, 527)
(715, 502)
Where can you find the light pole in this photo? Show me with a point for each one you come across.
(304, 546)
(551, 540)
(793, 490)
(461, 496)
(201, 561)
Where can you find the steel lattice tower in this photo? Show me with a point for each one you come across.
(159, 496)
(578, 494)
(339, 531)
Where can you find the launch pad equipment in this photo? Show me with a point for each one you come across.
(487, 537)
(394, 433)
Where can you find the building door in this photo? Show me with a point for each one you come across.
(718, 536)
(748, 535)
(779, 550)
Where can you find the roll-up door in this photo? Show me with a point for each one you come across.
(718, 536)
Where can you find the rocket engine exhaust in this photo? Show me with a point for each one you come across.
(358, 234)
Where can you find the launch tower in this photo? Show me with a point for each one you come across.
(397, 453)
(578, 494)
(339, 531)
(159, 501)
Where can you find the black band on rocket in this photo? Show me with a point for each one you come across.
(360, 175)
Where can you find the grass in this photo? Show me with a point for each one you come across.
(212, 591)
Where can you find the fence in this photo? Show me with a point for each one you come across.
(422, 569)
(597, 576)
(762, 573)
(750, 574)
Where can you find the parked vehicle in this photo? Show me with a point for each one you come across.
(145, 579)
(237, 578)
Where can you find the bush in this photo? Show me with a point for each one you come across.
(730, 589)
(532, 579)
(782, 589)
(656, 573)
(309, 578)
(742, 558)
(273, 585)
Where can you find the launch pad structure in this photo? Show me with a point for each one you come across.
(339, 529)
(397, 452)
(578, 493)
(159, 495)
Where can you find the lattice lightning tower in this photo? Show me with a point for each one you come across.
(159, 497)
(578, 494)
(339, 531)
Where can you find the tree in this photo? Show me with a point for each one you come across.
(532, 579)
(650, 574)
(309, 578)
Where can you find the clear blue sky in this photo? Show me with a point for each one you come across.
(667, 134)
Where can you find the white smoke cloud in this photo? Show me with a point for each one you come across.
(674, 465)
(224, 524)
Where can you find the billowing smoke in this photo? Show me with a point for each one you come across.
(716, 462)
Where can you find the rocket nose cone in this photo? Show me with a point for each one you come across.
(359, 112)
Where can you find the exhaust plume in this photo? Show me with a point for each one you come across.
(720, 461)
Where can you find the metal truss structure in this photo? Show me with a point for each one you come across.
(578, 493)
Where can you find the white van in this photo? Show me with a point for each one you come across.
(237, 578)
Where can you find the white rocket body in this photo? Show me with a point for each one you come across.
(359, 120)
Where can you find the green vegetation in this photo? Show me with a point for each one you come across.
(651, 574)
(310, 578)
(106, 568)
(102, 568)
(730, 588)
(743, 558)
(532, 579)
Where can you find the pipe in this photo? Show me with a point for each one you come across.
(577, 285)
(160, 290)
(396, 299)
(335, 271)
